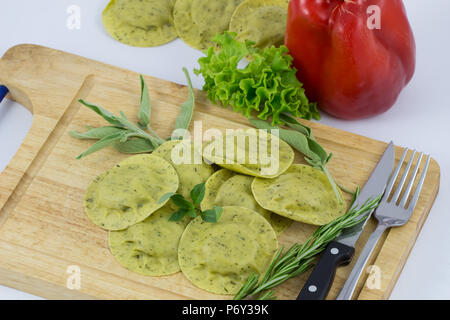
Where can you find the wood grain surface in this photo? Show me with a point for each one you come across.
(43, 227)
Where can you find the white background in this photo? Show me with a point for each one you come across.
(420, 119)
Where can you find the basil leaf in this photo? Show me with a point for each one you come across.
(198, 193)
(102, 143)
(133, 146)
(181, 202)
(187, 108)
(105, 114)
(212, 215)
(145, 108)
(178, 215)
(166, 197)
(95, 133)
(193, 213)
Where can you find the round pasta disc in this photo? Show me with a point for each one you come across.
(251, 153)
(302, 193)
(140, 23)
(262, 21)
(150, 247)
(226, 188)
(198, 21)
(219, 257)
(129, 192)
(190, 174)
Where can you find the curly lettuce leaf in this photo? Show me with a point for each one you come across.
(267, 85)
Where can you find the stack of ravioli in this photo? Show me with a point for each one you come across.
(259, 201)
(147, 23)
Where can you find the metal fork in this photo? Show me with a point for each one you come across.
(389, 214)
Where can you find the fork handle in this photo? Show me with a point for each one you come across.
(349, 287)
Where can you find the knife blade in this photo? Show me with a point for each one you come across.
(341, 250)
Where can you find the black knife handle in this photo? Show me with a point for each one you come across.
(321, 279)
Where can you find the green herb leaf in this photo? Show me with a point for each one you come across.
(212, 215)
(166, 197)
(145, 108)
(187, 108)
(198, 193)
(105, 114)
(136, 145)
(181, 202)
(193, 212)
(95, 133)
(296, 125)
(178, 215)
(267, 85)
(316, 156)
(102, 143)
(186, 207)
(296, 139)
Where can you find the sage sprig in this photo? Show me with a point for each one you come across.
(125, 136)
(299, 258)
(192, 208)
(302, 140)
(187, 110)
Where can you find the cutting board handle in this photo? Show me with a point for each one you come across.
(35, 78)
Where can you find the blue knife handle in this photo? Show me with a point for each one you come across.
(321, 279)
(3, 92)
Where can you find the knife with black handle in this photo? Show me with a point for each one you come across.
(321, 279)
(341, 250)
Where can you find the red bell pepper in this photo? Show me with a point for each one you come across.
(351, 61)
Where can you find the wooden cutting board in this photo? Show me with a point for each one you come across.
(45, 236)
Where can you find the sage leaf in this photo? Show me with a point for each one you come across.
(296, 125)
(212, 215)
(95, 133)
(102, 143)
(319, 151)
(134, 146)
(145, 107)
(105, 114)
(315, 155)
(198, 193)
(294, 138)
(155, 139)
(187, 108)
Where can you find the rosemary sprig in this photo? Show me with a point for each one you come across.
(299, 258)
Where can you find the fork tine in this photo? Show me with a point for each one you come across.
(411, 182)
(394, 175)
(415, 198)
(403, 179)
